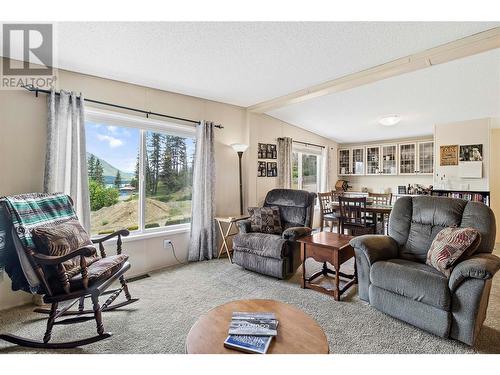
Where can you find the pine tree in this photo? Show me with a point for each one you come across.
(118, 180)
(135, 181)
(91, 167)
(154, 144)
(99, 172)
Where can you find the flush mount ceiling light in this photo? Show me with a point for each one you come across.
(390, 120)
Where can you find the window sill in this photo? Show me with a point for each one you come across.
(147, 234)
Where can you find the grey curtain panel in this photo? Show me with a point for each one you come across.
(66, 157)
(202, 244)
(285, 162)
(325, 169)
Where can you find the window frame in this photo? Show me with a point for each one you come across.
(144, 125)
(316, 151)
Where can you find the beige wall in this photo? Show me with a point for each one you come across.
(22, 153)
(495, 175)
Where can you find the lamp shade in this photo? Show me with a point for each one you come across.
(239, 147)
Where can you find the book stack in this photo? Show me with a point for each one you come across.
(251, 332)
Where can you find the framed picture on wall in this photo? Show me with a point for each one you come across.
(448, 155)
(261, 169)
(471, 153)
(267, 151)
(272, 169)
(261, 151)
(274, 153)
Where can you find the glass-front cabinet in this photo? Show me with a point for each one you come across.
(372, 160)
(425, 158)
(389, 159)
(344, 161)
(407, 158)
(358, 161)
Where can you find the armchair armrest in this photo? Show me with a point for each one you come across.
(119, 233)
(51, 260)
(480, 266)
(294, 233)
(375, 247)
(122, 232)
(244, 226)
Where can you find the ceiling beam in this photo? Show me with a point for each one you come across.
(468, 46)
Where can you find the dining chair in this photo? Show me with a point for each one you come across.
(384, 200)
(353, 216)
(327, 214)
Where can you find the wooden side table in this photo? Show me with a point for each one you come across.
(328, 247)
(230, 220)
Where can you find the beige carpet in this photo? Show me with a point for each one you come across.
(172, 300)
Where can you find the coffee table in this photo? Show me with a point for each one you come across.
(328, 247)
(298, 333)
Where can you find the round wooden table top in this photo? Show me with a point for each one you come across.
(298, 333)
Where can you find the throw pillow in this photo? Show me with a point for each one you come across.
(265, 219)
(60, 239)
(451, 244)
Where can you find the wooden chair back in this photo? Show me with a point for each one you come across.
(352, 211)
(325, 203)
(381, 198)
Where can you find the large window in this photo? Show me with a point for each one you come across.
(306, 169)
(140, 172)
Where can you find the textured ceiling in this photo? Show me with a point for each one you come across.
(459, 90)
(243, 63)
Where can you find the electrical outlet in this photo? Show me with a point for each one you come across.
(167, 244)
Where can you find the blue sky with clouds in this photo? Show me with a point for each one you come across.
(118, 145)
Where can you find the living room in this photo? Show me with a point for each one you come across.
(197, 171)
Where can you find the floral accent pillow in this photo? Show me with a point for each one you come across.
(451, 244)
(265, 219)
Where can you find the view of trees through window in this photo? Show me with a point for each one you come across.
(305, 174)
(113, 157)
(169, 175)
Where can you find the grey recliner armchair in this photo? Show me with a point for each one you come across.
(276, 255)
(394, 278)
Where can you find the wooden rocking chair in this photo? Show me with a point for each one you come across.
(92, 281)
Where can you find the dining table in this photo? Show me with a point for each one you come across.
(378, 210)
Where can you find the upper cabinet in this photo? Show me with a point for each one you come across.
(344, 161)
(372, 160)
(358, 161)
(351, 161)
(416, 158)
(426, 158)
(387, 159)
(408, 158)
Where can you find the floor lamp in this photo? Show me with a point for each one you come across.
(240, 148)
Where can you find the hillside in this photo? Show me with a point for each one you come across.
(109, 172)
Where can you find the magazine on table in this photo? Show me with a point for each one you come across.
(249, 343)
(256, 324)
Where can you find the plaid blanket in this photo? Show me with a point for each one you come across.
(23, 213)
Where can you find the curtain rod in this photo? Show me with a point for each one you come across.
(37, 90)
(307, 144)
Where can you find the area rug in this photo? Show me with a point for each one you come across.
(173, 299)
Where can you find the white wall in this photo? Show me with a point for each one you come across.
(462, 133)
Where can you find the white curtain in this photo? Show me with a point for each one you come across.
(66, 158)
(202, 243)
(285, 145)
(325, 168)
